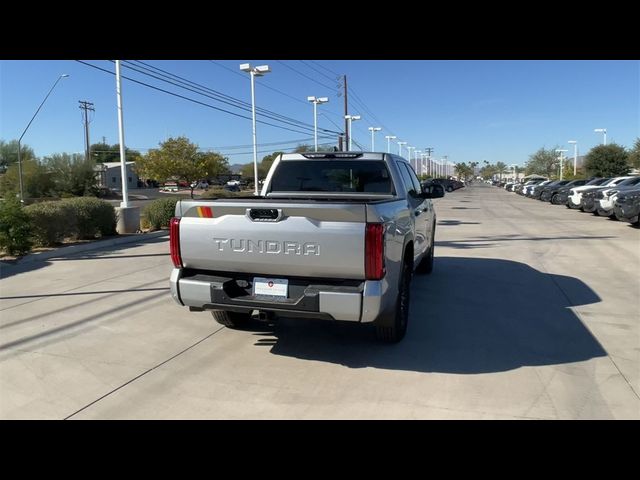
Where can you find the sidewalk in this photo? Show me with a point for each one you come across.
(83, 247)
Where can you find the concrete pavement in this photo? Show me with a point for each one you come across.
(531, 313)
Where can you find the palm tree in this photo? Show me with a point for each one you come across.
(501, 166)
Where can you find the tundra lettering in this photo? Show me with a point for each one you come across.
(267, 246)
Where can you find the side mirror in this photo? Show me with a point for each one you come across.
(434, 190)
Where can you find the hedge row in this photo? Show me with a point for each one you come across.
(159, 212)
(74, 218)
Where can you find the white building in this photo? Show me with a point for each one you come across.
(109, 175)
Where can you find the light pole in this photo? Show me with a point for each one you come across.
(315, 102)
(351, 118)
(64, 75)
(255, 72)
(409, 149)
(575, 154)
(389, 137)
(561, 151)
(415, 157)
(604, 131)
(400, 147)
(373, 130)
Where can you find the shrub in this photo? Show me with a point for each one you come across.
(15, 228)
(221, 193)
(93, 217)
(159, 212)
(50, 222)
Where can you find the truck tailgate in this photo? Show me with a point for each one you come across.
(287, 238)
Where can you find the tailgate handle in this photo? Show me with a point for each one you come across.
(264, 214)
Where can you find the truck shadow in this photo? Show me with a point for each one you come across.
(470, 316)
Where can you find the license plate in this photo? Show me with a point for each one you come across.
(273, 287)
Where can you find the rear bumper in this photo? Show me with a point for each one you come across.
(355, 301)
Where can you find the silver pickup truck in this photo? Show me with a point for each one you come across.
(333, 236)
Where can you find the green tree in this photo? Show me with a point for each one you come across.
(263, 167)
(607, 161)
(72, 174)
(464, 171)
(500, 168)
(634, 154)
(179, 159)
(9, 154)
(36, 180)
(543, 162)
(303, 148)
(103, 152)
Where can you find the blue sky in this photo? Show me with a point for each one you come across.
(494, 110)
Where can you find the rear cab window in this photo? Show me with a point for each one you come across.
(335, 176)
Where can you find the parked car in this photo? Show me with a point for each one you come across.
(575, 194)
(554, 192)
(588, 200)
(563, 192)
(627, 206)
(200, 185)
(547, 191)
(527, 191)
(449, 184)
(605, 199)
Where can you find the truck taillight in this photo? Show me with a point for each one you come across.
(374, 251)
(174, 242)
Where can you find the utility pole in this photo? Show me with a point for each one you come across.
(428, 151)
(346, 112)
(86, 107)
(104, 140)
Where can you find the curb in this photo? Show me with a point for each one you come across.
(71, 249)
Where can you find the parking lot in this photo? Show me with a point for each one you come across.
(531, 313)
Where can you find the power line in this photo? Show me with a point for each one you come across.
(224, 95)
(358, 100)
(317, 71)
(232, 147)
(326, 68)
(191, 99)
(271, 151)
(225, 98)
(261, 85)
(304, 75)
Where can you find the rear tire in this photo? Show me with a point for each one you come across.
(554, 199)
(231, 319)
(395, 332)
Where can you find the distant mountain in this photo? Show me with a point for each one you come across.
(235, 168)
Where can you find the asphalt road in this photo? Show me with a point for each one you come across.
(531, 313)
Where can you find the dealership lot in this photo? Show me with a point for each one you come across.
(531, 313)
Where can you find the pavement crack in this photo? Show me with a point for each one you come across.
(143, 373)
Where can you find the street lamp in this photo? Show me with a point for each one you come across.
(373, 130)
(400, 147)
(315, 102)
(575, 154)
(415, 157)
(604, 131)
(389, 137)
(64, 75)
(351, 118)
(409, 149)
(255, 72)
(561, 151)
